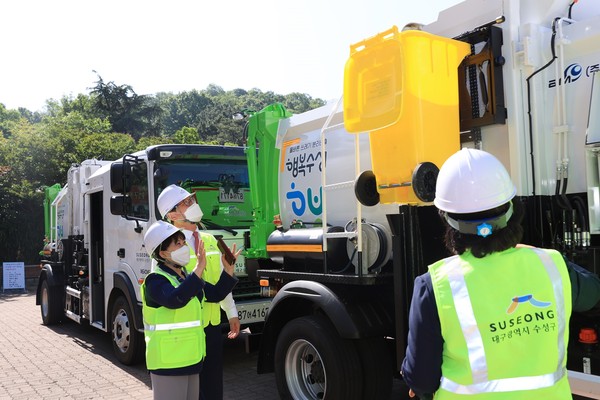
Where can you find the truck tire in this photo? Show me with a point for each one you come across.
(378, 376)
(128, 343)
(312, 362)
(50, 304)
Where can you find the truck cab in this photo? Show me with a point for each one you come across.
(101, 215)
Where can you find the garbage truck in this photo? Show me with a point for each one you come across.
(342, 195)
(94, 260)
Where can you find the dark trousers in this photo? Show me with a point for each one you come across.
(211, 377)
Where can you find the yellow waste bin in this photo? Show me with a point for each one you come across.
(402, 88)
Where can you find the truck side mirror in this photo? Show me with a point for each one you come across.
(120, 173)
(120, 205)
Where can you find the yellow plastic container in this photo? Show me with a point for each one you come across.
(373, 83)
(402, 87)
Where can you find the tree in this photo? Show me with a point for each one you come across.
(299, 102)
(148, 141)
(105, 146)
(128, 112)
(20, 198)
(8, 119)
(186, 135)
(183, 109)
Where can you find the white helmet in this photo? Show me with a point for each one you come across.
(170, 197)
(472, 181)
(156, 234)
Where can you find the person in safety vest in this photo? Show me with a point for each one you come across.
(492, 321)
(172, 313)
(179, 206)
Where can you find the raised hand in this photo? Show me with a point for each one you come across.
(200, 260)
(230, 268)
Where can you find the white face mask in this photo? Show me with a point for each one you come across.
(181, 256)
(193, 213)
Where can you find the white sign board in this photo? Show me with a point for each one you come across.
(13, 275)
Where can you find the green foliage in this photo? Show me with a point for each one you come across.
(105, 146)
(183, 109)
(37, 149)
(127, 111)
(21, 214)
(186, 135)
(210, 111)
(8, 120)
(148, 141)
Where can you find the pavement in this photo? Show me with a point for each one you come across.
(70, 361)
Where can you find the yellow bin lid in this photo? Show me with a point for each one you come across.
(373, 83)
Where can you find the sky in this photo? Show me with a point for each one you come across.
(51, 49)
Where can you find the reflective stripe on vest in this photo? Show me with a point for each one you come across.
(168, 327)
(211, 312)
(477, 357)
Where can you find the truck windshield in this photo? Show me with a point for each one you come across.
(221, 187)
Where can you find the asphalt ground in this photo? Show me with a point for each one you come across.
(70, 361)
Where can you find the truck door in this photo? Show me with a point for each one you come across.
(97, 260)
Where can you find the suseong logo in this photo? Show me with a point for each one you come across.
(573, 72)
(526, 317)
(528, 298)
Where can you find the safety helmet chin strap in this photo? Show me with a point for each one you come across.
(481, 227)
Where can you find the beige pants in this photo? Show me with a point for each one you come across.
(185, 387)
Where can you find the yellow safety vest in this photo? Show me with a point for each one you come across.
(174, 337)
(211, 312)
(504, 321)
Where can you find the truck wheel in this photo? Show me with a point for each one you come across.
(128, 343)
(312, 362)
(50, 304)
(377, 367)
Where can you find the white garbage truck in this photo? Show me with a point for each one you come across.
(95, 260)
(343, 213)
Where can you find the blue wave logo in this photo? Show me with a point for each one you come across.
(573, 72)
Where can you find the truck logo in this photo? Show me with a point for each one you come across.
(299, 201)
(572, 73)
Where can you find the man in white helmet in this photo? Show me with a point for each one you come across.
(492, 321)
(179, 206)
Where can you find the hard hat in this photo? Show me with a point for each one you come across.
(156, 234)
(471, 181)
(170, 197)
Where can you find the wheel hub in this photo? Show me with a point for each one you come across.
(305, 372)
(121, 331)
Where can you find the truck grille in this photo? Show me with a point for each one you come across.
(246, 288)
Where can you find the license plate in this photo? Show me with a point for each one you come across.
(230, 196)
(250, 313)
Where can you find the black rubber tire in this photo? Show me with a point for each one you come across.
(378, 374)
(365, 189)
(424, 179)
(128, 343)
(50, 304)
(312, 362)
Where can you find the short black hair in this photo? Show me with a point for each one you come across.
(504, 239)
